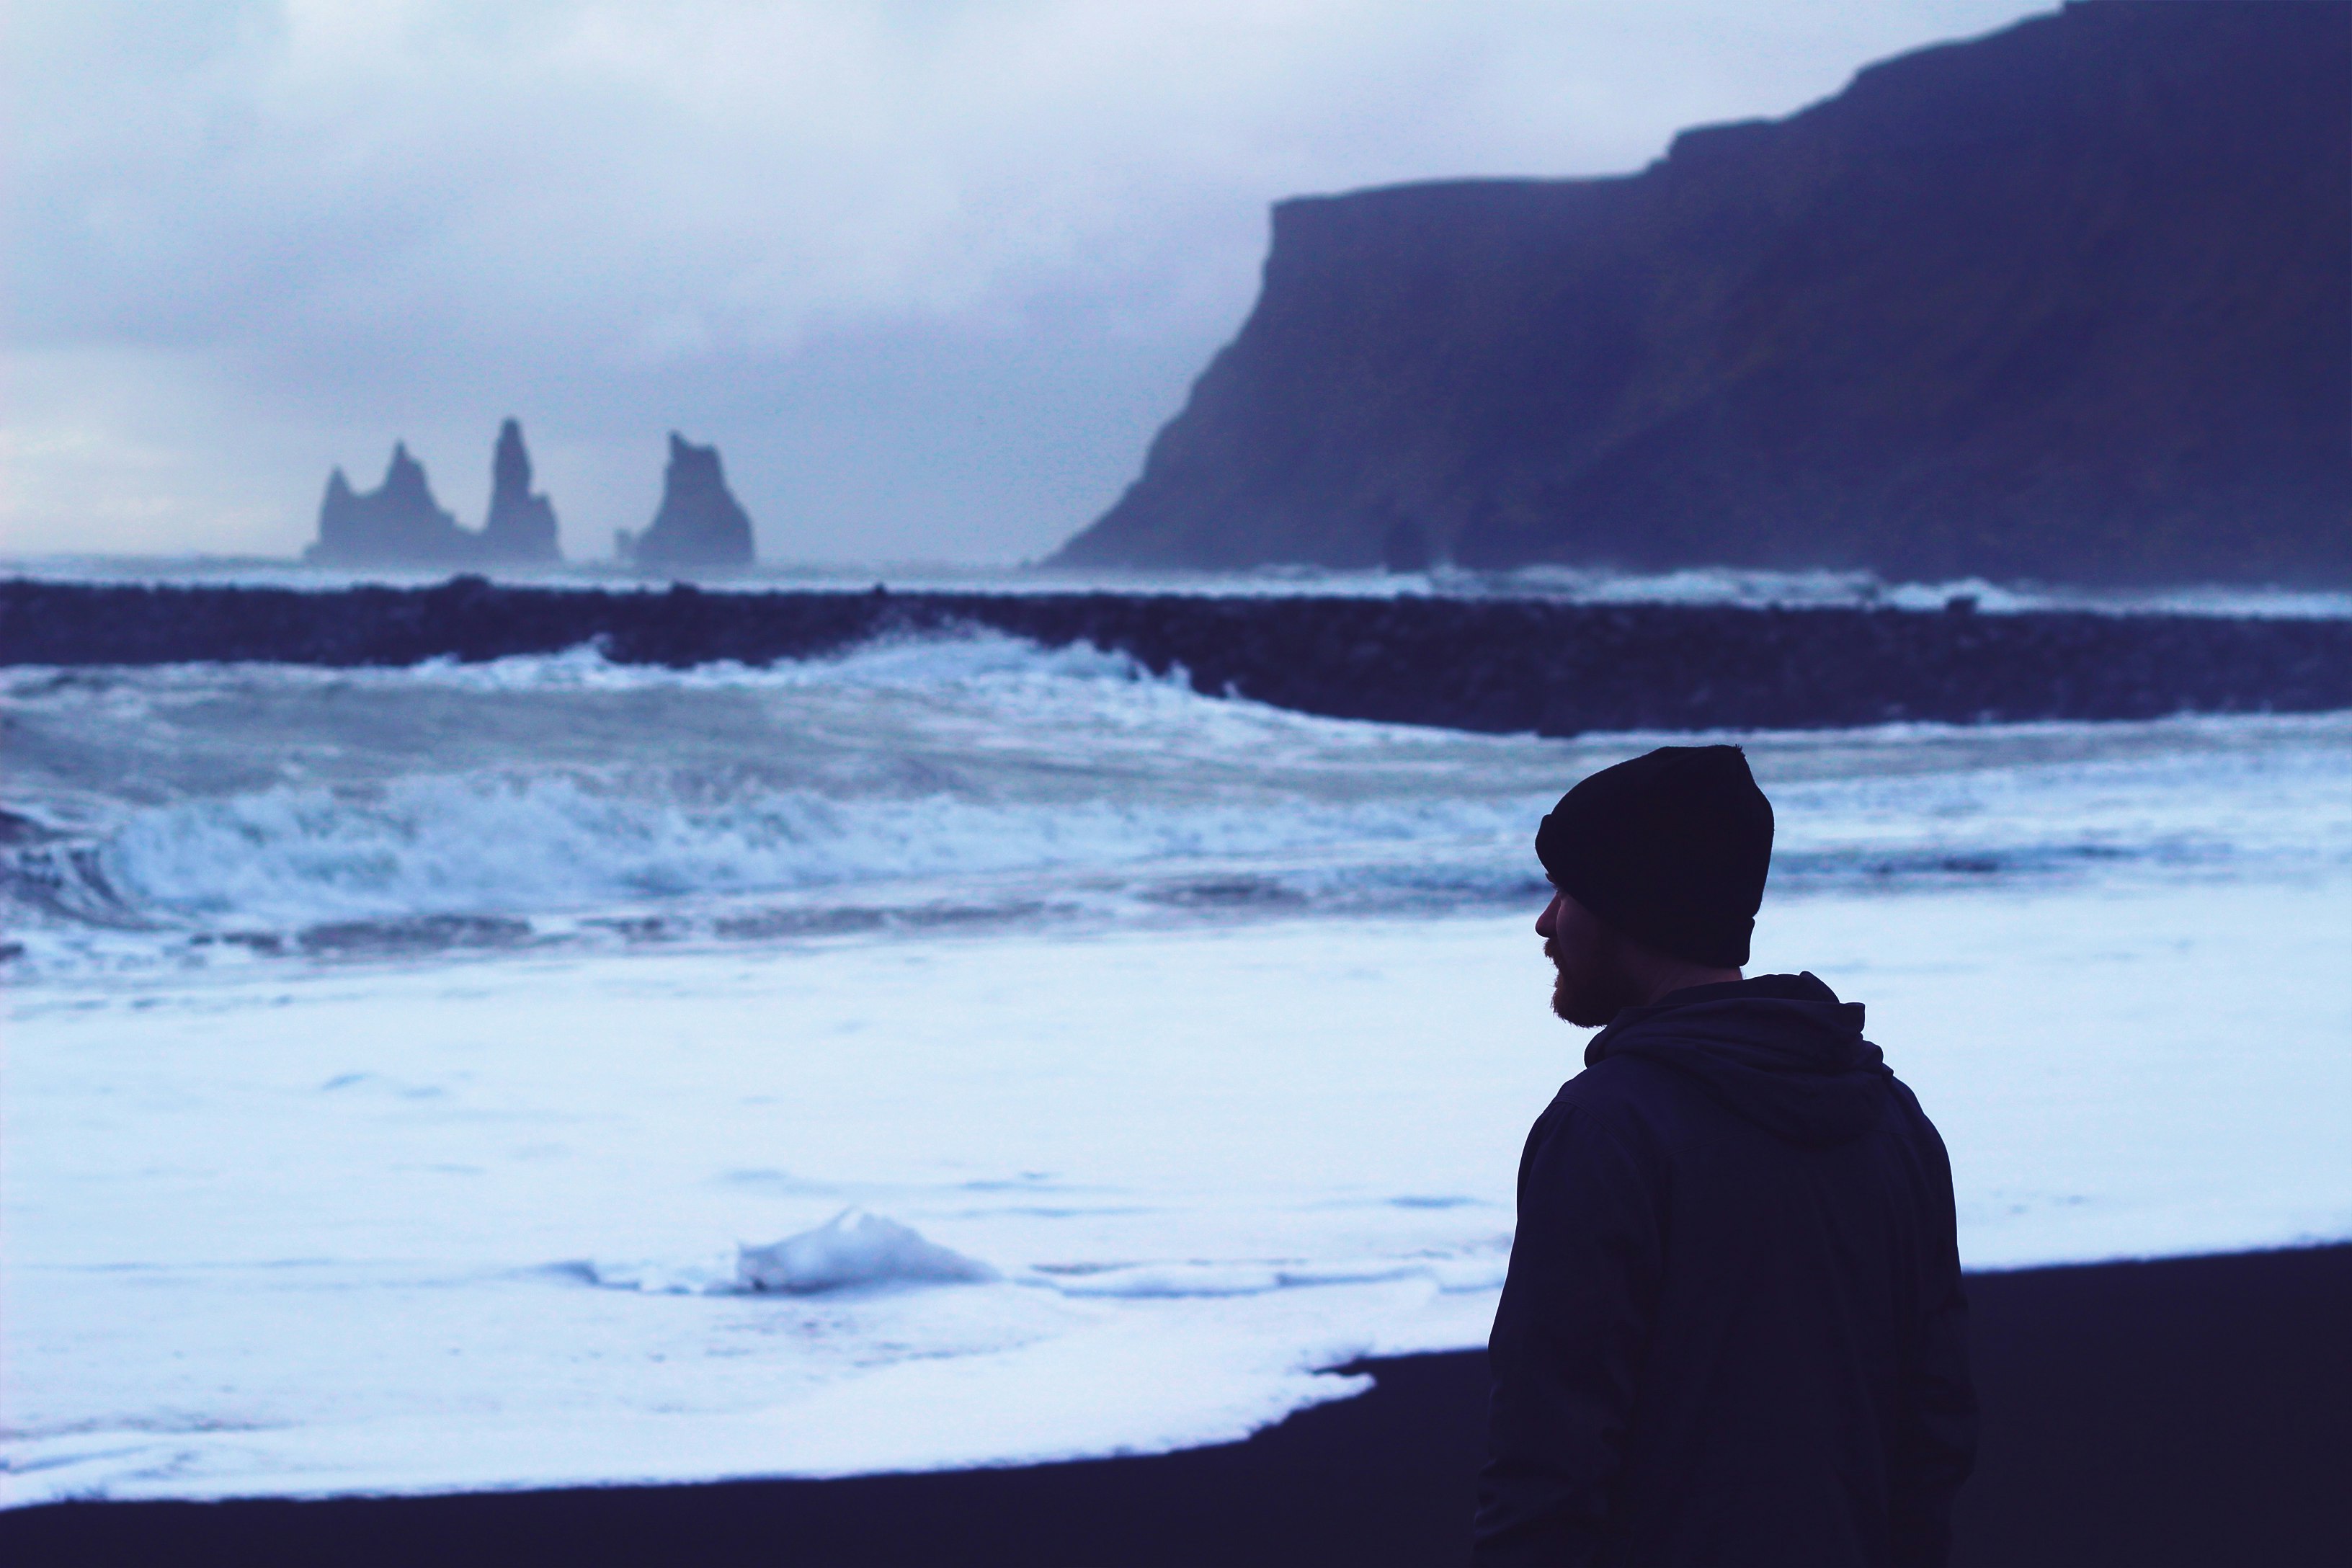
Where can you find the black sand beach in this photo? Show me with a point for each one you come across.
(2188, 1412)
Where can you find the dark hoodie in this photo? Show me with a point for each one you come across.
(1733, 1331)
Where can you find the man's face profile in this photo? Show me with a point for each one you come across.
(1593, 981)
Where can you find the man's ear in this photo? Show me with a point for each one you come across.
(1632, 955)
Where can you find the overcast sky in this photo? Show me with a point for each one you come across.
(930, 274)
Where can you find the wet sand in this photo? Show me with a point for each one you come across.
(2192, 1412)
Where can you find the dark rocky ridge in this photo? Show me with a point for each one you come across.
(2072, 302)
(700, 522)
(1498, 666)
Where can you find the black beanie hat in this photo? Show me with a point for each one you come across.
(1671, 848)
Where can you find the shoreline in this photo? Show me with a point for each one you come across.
(2188, 1411)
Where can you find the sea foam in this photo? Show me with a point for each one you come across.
(853, 1248)
(205, 814)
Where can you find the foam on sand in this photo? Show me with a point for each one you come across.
(1203, 1161)
(853, 1249)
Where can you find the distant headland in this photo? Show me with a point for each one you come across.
(399, 523)
(2072, 302)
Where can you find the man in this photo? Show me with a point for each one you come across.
(1733, 1331)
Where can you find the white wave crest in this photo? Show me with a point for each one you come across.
(567, 797)
(972, 656)
(553, 843)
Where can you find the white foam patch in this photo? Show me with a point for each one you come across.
(1115, 1385)
(1204, 1164)
(850, 1250)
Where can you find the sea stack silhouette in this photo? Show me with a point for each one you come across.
(522, 526)
(399, 523)
(700, 523)
(2071, 301)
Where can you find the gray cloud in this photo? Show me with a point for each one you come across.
(930, 274)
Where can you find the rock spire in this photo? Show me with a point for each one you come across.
(522, 526)
(700, 523)
(397, 523)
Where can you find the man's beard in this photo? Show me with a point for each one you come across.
(1597, 994)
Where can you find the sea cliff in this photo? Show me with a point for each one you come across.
(2072, 303)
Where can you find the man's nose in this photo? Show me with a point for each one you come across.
(1546, 926)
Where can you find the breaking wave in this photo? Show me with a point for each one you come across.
(559, 843)
(235, 810)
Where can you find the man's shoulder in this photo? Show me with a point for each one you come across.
(1917, 1128)
(1618, 1089)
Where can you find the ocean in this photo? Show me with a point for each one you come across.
(957, 1052)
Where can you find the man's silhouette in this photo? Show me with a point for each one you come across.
(1733, 1331)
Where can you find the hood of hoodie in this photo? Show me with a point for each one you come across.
(1779, 1050)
